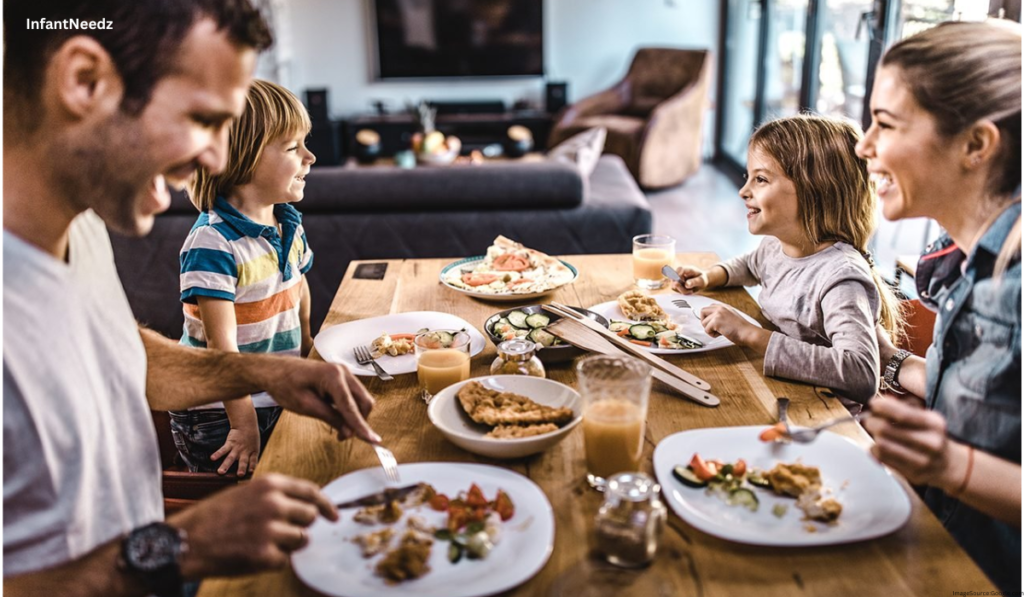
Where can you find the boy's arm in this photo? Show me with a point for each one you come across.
(243, 441)
(304, 308)
(178, 377)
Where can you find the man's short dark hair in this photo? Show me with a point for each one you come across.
(143, 40)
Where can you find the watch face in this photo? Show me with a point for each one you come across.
(152, 547)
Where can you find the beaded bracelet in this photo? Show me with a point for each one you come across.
(967, 475)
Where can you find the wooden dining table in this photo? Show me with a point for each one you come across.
(919, 559)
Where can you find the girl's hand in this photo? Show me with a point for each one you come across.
(911, 440)
(719, 320)
(242, 446)
(694, 280)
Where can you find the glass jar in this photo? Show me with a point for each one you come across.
(518, 357)
(631, 520)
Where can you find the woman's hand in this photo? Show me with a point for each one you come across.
(242, 446)
(694, 280)
(913, 441)
(720, 320)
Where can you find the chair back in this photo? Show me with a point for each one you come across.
(657, 74)
(920, 323)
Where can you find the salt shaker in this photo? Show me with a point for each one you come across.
(517, 357)
(630, 522)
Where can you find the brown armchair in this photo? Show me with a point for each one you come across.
(653, 115)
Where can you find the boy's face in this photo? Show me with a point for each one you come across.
(280, 175)
(770, 198)
(127, 161)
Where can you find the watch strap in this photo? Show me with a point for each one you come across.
(892, 371)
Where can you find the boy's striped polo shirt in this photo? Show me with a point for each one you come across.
(228, 256)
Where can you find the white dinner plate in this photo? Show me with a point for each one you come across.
(687, 320)
(874, 503)
(333, 564)
(335, 344)
(471, 262)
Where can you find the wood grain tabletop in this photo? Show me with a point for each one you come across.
(918, 560)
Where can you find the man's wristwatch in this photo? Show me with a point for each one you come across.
(892, 371)
(151, 554)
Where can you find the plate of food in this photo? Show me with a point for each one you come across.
(506, 416)
(730, 484)
(664, 323)
(508, 272)
(389, 339)
(530, 322)
(469, 529)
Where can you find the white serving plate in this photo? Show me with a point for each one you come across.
(471, 262)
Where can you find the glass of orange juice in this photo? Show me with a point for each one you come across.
(651, 252)
(615, 390)
(442, 358)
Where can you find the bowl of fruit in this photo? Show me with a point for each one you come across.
(436, 149)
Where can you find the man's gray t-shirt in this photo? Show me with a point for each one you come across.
(81, 465)
(826, 306)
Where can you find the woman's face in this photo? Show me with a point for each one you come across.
(915, 169)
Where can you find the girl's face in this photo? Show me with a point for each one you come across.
(912, 165)
(280, 176)
(771, 199)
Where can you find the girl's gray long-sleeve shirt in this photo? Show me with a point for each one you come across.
(826, 307)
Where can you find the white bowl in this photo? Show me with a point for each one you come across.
(447, 415)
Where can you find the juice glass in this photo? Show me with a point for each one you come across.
(651, 253)
(615, 390)
(442, 358)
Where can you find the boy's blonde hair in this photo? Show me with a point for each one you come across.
(835, 196)
(271, 112)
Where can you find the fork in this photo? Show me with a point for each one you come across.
(389, 463)
(806, 436)
(783, 405)
(363, 357)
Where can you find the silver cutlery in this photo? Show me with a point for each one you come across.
(671, 274)
(389, 463)
(808, 435)
(363, 357)
(783, 404)
(390, 494)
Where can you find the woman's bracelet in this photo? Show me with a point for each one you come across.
(967, 475)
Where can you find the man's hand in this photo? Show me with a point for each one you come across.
(242, 446)
(326, 391)
(251, 527)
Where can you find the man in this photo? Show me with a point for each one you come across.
(97, 122)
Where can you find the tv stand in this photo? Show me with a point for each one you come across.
(475, 130)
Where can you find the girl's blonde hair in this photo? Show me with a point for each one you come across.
(271, 112)
(835, 197)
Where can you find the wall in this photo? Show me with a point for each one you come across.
(587, 43)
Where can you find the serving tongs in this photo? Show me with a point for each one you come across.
(584, 333)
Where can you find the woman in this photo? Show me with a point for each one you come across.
(945, 143)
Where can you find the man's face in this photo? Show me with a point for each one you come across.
(130, 160)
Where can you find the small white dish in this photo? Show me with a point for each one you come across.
(874, 503)
(335, 344)
(451, 420)
(688, 320)
(333, 565)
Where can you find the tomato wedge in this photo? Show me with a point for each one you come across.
(439, 502)
(503, 506)
(739, 468)
(773, 433)
(475, 497)
(703, 470)
(510, 262)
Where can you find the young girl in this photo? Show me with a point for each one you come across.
(810, 195)
(243, 269)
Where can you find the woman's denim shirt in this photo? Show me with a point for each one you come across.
(974, 380)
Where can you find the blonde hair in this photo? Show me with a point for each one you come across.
(962, 73)
(271, 112)
(835, 197)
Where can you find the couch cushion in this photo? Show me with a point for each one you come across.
(581, 150)
(501, 185)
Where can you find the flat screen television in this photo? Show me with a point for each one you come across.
(459, 38)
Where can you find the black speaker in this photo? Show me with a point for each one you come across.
(316, 103)
(555, 96)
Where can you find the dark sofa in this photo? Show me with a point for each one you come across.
(388, 213)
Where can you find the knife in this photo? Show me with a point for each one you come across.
(390, 494)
